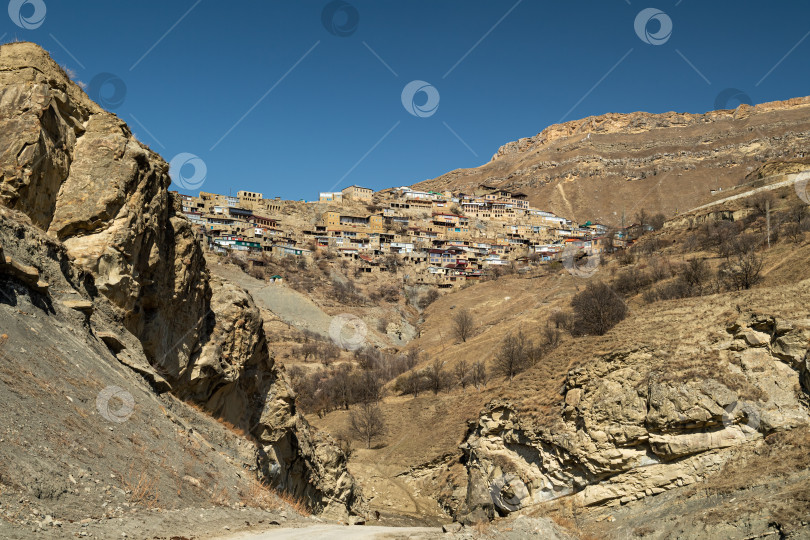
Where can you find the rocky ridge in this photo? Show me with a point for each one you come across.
(633, 425)
(77, 172)
(588, 169)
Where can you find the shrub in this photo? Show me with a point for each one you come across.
(597, 309)
(741, 271)
(367, 423)
(463, 324)
(517, 353)
(428, 298)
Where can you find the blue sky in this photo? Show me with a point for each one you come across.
(272, 100)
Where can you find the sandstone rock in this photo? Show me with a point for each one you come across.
(77, 172)
(84, 306)
(112, 341)
(625, 434)
(452, 527)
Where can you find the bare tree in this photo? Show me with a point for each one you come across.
(413, 383)
(367, 423)
(436, 375)
(741, 271)
(478, 374)
(552, 335)
(310, 348)
(793, 231)
(696, 274)
(657, 221)
(597, 309)
(515, 355)
(462, 373)
(797, 212)
(412, 358)
(760, 202)
(463, 324)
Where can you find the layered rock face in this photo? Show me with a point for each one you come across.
(631, 427)
(78, 173)
(588, 169)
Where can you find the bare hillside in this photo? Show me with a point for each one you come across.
(600, 166)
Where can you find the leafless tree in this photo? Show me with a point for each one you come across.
(478, 374)
(515, 355)
(597, 309)
(412, 358)
(797, 212)
(760, 202)
(793, 231)
(741, 271)
(696, 274)
(462, 373)
(657, 221)
(436, 375)
(463, 324)
(413, 383)
(552, 335)
(366, 422)
(310, 348)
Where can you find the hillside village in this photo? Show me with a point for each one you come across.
(444, 238)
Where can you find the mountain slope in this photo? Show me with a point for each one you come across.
(598, 167)
(76, 173)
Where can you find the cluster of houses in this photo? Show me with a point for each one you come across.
(443, 238)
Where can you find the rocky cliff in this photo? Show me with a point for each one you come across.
(645, 419)
(77, 172)
(598, 167)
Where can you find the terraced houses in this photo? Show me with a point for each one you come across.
(443, 238)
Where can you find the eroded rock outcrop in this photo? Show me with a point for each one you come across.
(78, 173)
(629, 429)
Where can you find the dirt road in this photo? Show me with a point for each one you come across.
(342, 532)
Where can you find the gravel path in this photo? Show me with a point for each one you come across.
(342, 532)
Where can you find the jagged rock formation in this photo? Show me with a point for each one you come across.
(633, 425)
(78, 173)
(589, 169)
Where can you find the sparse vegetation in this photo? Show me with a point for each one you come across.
(597, 309)
(516, 353)
(366, 423)
(463, 324)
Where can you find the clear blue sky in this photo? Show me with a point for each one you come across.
(189, 82)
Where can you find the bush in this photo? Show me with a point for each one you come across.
(630, 281)
(742, 271)
(517, 353)
(463, 324)
(428, 298)
(367, 423)
(695, 274)
(597, 309)
(562, 319)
